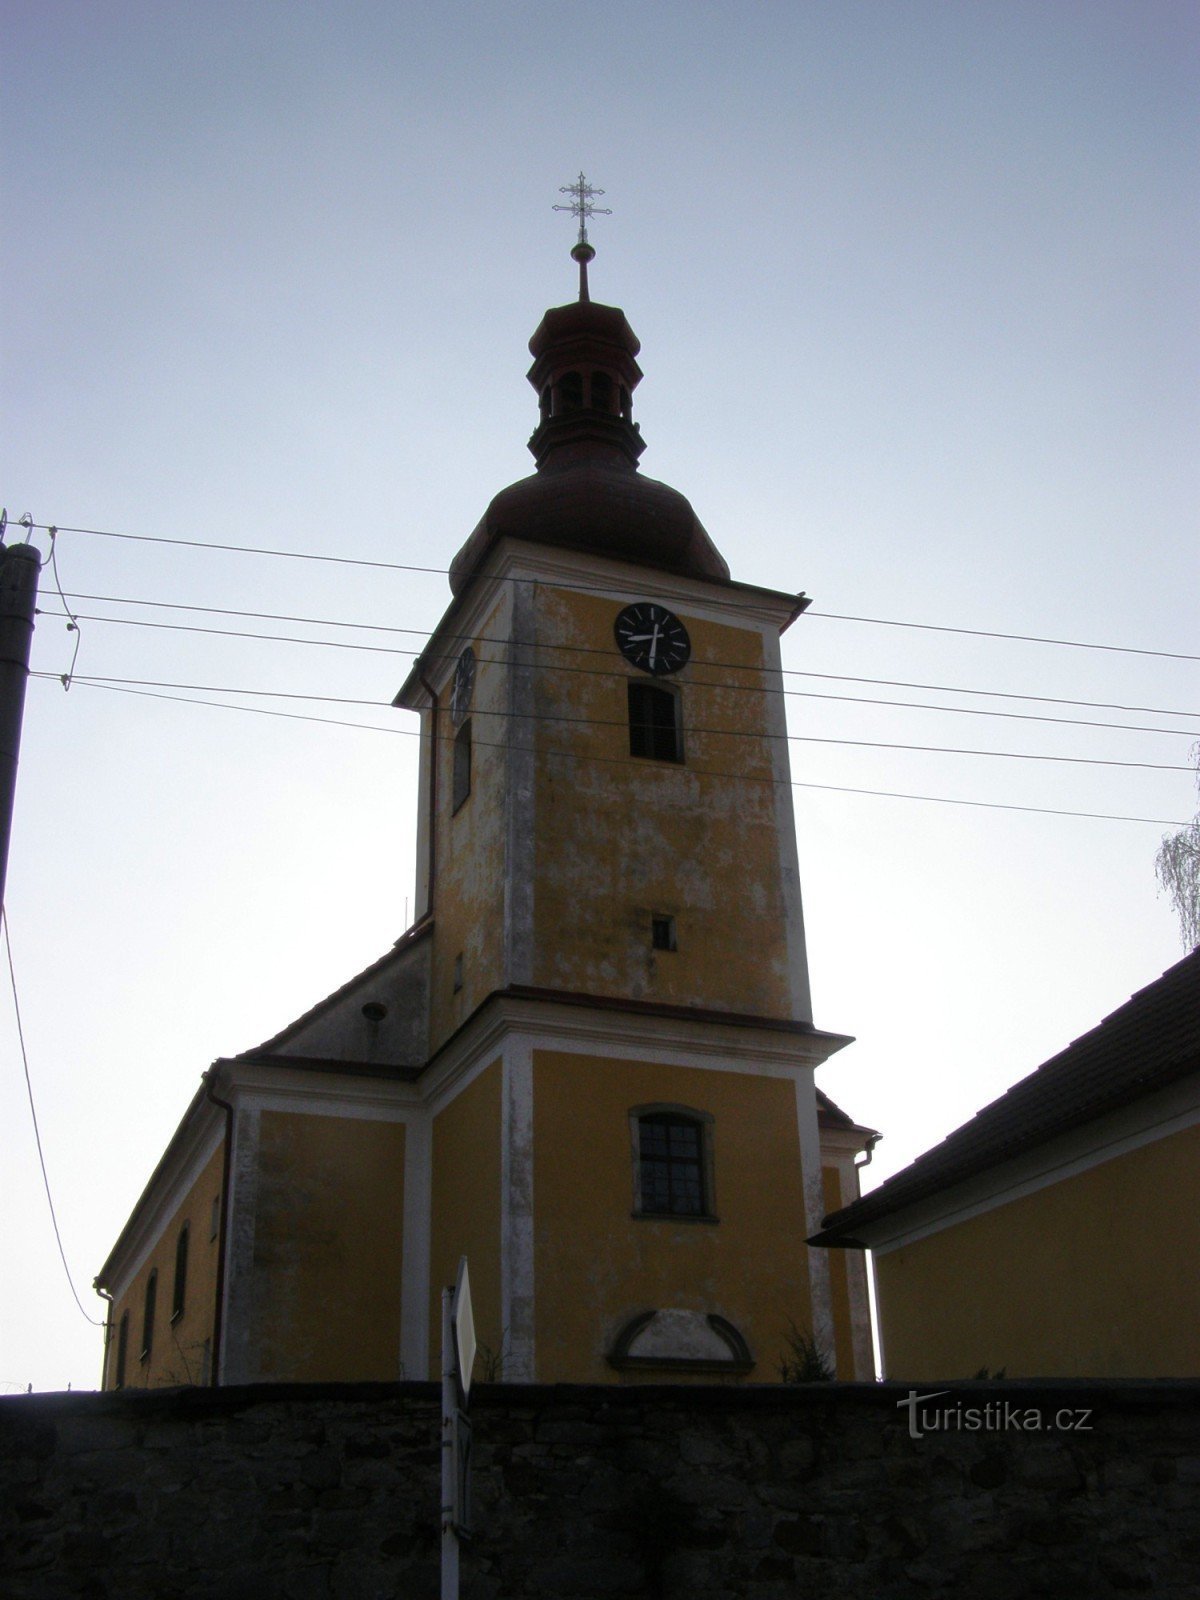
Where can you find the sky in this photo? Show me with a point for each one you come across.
(915, 285)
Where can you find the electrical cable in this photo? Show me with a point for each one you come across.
(124, 686)
(36, 1130)
(803, 694)
(722, 733)
(399, 566)
(578, 649)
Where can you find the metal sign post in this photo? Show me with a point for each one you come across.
(458, 1357)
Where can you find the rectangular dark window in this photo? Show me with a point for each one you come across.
(122, 1349)
(655, 730)
(148, 1315)
(662, 933)
(179, 1292)
(462, 766)
(671, 1152)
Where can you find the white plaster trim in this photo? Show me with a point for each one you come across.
(799, 989)
(415, 1267)
(321, 1093)
(814, 1210)
(587, 1030)
(238, 1360)
(153, 1213)
(516, 1213)
(1145, 1122)
(520, 758)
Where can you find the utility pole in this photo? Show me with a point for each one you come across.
(19, 568)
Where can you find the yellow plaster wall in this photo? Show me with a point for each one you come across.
(596, 1266)
(177, 1354)
(839, 1286)
(466, 1209)
(328, 1246)
(1093, 1277)
(470, 845)
(620, 838)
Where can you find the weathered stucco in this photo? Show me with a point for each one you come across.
(328, 1247)
(988, 1291)
(598, 1265)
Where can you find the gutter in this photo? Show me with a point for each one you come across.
(226, 1170)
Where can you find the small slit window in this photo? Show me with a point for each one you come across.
(672, 1163)
(122, 1349)
(602, 391)
(179, 1290)
(462, 766)
(148, 1315)
(662, 933)
(570, 392)
(655, 729)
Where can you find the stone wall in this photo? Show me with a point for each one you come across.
(331, 1493)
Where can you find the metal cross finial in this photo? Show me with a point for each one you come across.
(582, 193)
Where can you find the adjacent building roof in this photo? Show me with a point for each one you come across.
(1150, 1042)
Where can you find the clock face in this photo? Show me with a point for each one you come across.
(464, 683)
(652, 638)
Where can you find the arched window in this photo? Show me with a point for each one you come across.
(655, 725)
(602, 391)
(570, 392)
(673, 1165)
(122, 1350)
(179, 1292)
(148, 1315)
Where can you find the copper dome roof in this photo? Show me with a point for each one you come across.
(587, 493)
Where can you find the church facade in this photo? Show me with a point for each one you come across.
(589, 1064)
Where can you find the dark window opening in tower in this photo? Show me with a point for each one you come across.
(179, 1291)
(671, 1165)
(544, 402)
(148, 1315)
(662, 933)
(655, 730)
(602, 390)
(570, 392)
(626, 404)
(122, 1350)
(462, 766)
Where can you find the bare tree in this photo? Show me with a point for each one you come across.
(1178, 868)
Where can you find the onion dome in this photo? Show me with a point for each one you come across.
(587, 493)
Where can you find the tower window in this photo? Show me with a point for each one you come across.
(462, 766)
(122, 1349)
(602, 391)
(655, 731)
(626, 404)
(458, 972)
(672, 1162)
(544, 402)
(148, 1315)
(570, 392)
(179, 1291)
(662, 933)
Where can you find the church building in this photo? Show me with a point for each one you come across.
(589, 1063)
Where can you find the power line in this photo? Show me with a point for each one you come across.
(581, 649)
(804, 694)
(399, 566)
(37, 1134)
(832, 788)
(718, 733)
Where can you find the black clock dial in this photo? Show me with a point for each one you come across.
(464, 683)
(653, 638)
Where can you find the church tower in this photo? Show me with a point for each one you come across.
(589, 1065)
